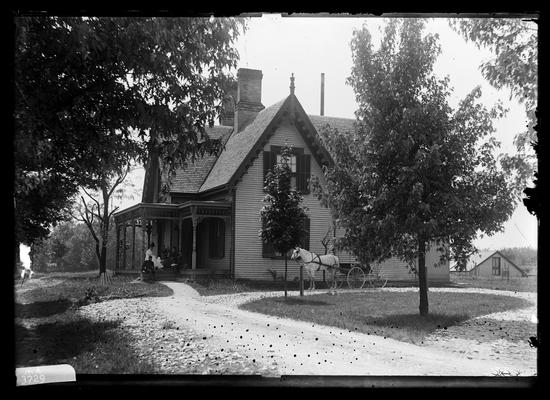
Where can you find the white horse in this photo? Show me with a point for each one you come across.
(313, 262)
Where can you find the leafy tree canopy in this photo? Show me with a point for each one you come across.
(514, 67)
(94, 94)
(413, 172)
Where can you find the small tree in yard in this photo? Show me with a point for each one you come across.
(96, 211)
(283, 217)
(413, 172)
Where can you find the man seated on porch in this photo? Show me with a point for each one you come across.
(147, 268)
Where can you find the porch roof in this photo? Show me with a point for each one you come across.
(173, 211)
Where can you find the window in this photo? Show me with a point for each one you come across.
(496, 265)
(300, 165)
(216, 238)
(291, 162)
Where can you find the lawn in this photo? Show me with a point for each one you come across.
(384, 313)
(528, 284)
(89, 346)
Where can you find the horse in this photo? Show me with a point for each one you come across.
(313, 262)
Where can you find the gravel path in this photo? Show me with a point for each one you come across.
(186, 333)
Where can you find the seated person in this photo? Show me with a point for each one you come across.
(148, 267)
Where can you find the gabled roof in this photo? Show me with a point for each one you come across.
(341, 124)
(190, 179)
(241, 147)
(480, 257)
(238, 146)
(476, 259)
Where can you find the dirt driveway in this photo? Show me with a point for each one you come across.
(276, 346)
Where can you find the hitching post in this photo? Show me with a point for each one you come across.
(301, 280)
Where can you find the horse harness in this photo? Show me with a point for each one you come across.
(318, 262)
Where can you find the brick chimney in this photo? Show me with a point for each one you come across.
(249, 97)
(227, 118)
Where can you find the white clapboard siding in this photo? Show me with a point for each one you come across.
(249, 263)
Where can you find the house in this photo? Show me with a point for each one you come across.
(210, 213)
(488, 264)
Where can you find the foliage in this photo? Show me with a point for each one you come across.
(413, 172)
(282, 216)
(77, 245)
(514, 67)
(96, 211)
(521, 256)
(93, 94)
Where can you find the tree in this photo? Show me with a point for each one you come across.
(283, 217)
(96, 211)
(515, 67)
(412, 173)
(93, 94)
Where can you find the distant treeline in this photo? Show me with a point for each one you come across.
(70, 247)
(521, 256)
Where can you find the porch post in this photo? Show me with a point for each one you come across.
(195, 221)
(124, 248)
(143, 228)
(171, 233)
(133, 243)
(180, 235)
(117, 257)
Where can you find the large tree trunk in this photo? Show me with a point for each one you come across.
(104, 237)
(285, 273)
(422, 277)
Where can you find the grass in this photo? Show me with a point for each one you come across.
(390, 314)
(210, 287)
(72, 287)
(89, 346)
(528, 284)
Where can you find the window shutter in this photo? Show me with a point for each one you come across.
(305, 240)
(300, 173)
(221, 238)
(267, 248)
(211, 238)
(270, 159)
(216, 238)
(307, 173)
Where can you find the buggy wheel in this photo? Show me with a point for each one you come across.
(356, 278)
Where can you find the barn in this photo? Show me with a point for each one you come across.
(208, 220)
(488, 264)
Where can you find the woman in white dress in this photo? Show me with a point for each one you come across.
(149, 253)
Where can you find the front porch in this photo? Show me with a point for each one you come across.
(192, 239)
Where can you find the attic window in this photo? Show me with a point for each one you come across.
(300, 165)
(291, 162)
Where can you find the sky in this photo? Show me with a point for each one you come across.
(308, 46)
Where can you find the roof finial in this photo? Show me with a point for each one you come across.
(292, 84)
